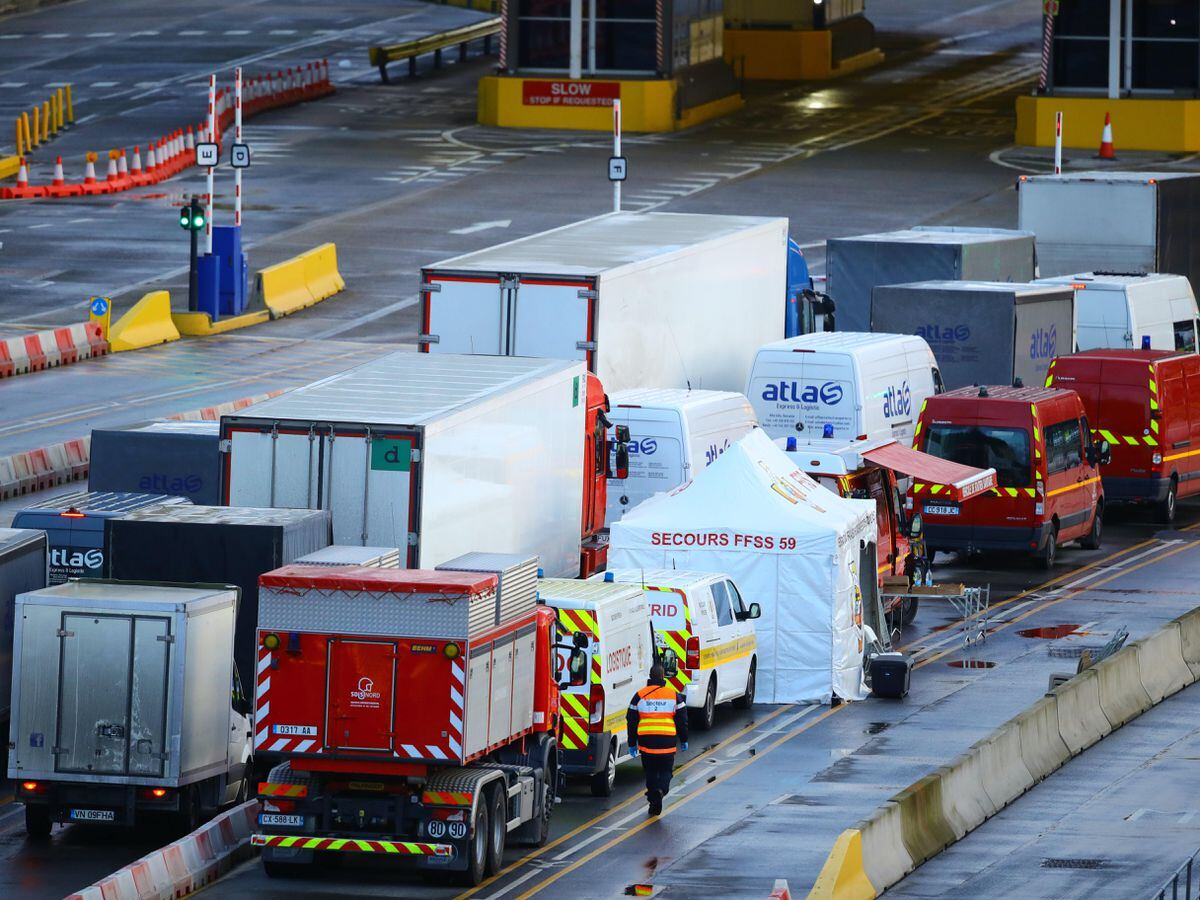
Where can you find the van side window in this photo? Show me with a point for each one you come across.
(1064, 449)
(721, 599)
(599, 454)
(939, 386)
(735, 595)
(1185, 336)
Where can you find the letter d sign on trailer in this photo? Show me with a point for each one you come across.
(390, 456)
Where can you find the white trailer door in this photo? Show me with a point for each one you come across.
(552, 319)
(368, 487)
(272, 468)
(462, 314)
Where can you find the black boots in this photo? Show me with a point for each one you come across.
(655, 799)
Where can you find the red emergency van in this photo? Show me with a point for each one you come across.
(1048, 489)
(1146, 404)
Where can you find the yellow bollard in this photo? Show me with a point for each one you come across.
(20, 138)
(37, 127)
(45, 120)
(24, 123)
(70, 108)
(59, 122)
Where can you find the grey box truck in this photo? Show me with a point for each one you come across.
(179, 458)
(856, 265)
(982, 332)
(123, 704)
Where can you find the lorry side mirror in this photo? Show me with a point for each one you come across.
(622, 432)
(578, 667)
(579, 640)
(670, 663)
(754, 612)
(1105, 453)
(914, 525)
(622, 468)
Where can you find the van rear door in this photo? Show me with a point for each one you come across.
(1101, 318)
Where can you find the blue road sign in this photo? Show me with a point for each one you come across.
(99, 306)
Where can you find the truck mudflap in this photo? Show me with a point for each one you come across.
(351, 845)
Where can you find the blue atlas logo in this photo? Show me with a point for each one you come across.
(830, 393)
(1043, 343)
(943, 333)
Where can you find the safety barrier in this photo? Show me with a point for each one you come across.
(174, 152)
(54, 347)
(35, 470)
(146, 323)
(184, 866)
(301, 281)
(944, 806)
(435, 44)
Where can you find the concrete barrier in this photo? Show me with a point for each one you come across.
(1005, 776)
(843, 877)
(966, 799)
(1189, 639)
(885, 857)
(301, 281)
(147, 323)
(1081, 721)
(1122, 696)
(1161, 664)
(321, 272)
(186, 865)
(1042, 747)
(200, 324)
(924, 827)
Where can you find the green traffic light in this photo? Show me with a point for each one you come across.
(198, 221)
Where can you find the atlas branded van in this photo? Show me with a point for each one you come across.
(704, 619)
(673, 434)
(1146, 405)
(1048, 489)
(848, 386)
(1123, 310)
(615, 620)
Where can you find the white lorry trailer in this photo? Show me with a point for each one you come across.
(433, 454)
(646, 300)
(124, 704)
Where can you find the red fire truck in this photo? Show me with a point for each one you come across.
(1146, 405)
(413, 714)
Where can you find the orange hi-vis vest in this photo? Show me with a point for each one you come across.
(656, 708)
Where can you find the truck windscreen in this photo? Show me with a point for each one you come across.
(1004, 449)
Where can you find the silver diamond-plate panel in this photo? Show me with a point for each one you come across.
(460, 778)
(364, 612)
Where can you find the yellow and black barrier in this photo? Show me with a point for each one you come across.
(434, 43)
(301, 281)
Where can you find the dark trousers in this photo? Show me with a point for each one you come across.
(657, 767)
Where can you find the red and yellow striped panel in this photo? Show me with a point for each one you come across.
(351, 845)
(447, 798)
(267, 789)
(573, 620)
(576, 710)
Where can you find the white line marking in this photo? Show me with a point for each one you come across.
(192, 33)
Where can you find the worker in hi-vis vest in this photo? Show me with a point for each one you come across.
(657, 720)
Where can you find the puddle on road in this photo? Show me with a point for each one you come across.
(972, 664)
(1051, 632)
(876, 727)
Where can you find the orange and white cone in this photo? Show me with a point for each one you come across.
(90, 184)
(22, 191)
(1106, 139)
(59, 187)
(124, 182)
(111, 177)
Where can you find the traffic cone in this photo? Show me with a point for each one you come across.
(59, 187)
(111, 177)
(124, 182)
(22, 191)
(151, 176)
(90, 185)
(1106, 139)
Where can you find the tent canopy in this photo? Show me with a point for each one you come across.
(961, 482)
(798, 550)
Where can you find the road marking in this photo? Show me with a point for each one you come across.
(54, 36)
(104, 84)
(283, 31)
(369, 317)
(13, 84)
(99, 34)
(192, 33)
(237, 31)
(482, 226)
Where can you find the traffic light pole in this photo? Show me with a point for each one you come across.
(193, 276)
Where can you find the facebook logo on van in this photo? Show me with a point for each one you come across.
(1043, 343)
(830, 393)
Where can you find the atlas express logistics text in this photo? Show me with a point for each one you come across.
(897, 399)
(718, 539)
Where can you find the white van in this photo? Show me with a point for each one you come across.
(848, 385)
(704, 619)
(673, 434)
(1119, 310)
(615, 620)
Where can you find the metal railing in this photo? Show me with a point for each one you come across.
(1184, 884)
(435, 44)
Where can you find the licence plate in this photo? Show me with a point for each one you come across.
(93, 815)
(279, 819)
(940, 510)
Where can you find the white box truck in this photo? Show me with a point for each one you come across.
(673, 434)
(646, 300)
(124, 703)
(845, 385)
(1113, 222)
(433, 454)
(1113, 310)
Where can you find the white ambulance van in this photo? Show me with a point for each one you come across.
(843, 385)
(1119, 310)
(673, 434)
(704, 619)
(615, 620)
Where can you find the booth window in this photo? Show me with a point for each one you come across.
(617, 35)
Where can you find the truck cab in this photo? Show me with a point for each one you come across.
(1039, 442)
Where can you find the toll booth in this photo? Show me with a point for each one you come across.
(791, 40)
(563, 62)
(1136, 60)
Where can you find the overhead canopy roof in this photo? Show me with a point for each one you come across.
(962, 482)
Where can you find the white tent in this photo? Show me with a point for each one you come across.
(795, 548)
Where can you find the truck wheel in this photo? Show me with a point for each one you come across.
(1165, 511)
(703, 717)
(37, 822)
(1092, 540)
(477, 852)
(908, 611)
(603, 781)
(1049, 553)
(499, 834)
(747, 699)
